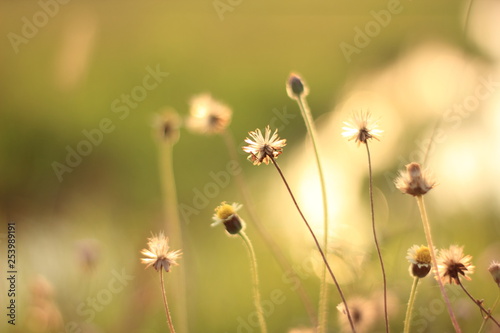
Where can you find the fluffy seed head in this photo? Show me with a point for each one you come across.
(414, 180)
(360, 128)
(207, 115)
(166, 125)
(494, 270)
(452, 263)
(158, 255)
(261, 148)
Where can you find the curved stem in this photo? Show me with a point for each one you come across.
(165, 303)
(478, 303)
(276, 251)
(311, 129)
(411, 301)
(316, 242)
(173, 229)
(255, 281)
(485, 319)
(428, 236)
(386, 315)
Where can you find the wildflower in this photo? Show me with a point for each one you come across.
(227, 215)
(263, 147)
(494, 270)
(361, 129)
(296, 87)
(420, 260)
(167, 126)
(207, 115)
(414, 181)
(158, 254)
(363, 312)
(452, 262)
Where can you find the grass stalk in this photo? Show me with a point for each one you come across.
(316, 242)
(411, 301)
(255, 281)
(173, 229)
(165, 303)
(372, 208)
(311, 129)
(430, 244)
(271, 244)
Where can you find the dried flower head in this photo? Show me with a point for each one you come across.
(226, 214)
(261, 148)
(414, 180)
(207, 115)
(363, 313)
(494, 270)
(360, 128)
(166, 125)
(296, 87)
(452, 263)
(158, 254)
(420, 260)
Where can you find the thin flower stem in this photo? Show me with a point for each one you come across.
(255, 280)
(479, 304)
(386, 315)
(173, 229)
(317, 243)
(311, 129)
(428, 236)
(165, 303)
(411, 301)
(485, 319)
(264, 234)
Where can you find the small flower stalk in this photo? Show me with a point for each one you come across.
(161, 259)
(420, 261)
(453, 264)
(227, 215)
(267, 148)
(361, 129)
(298, 90)
(416, 182)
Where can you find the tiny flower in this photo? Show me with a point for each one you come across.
(414, 181)
(361, 129)
(227, 215)
(420, 260)
(452, 262)
(158, 255)
(207, 115)
(263, 147)
(296, 87)
(167, 126)
(494, 270)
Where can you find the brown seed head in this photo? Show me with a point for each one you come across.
(414, 181)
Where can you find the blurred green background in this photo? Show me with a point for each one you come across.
(64, 78)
